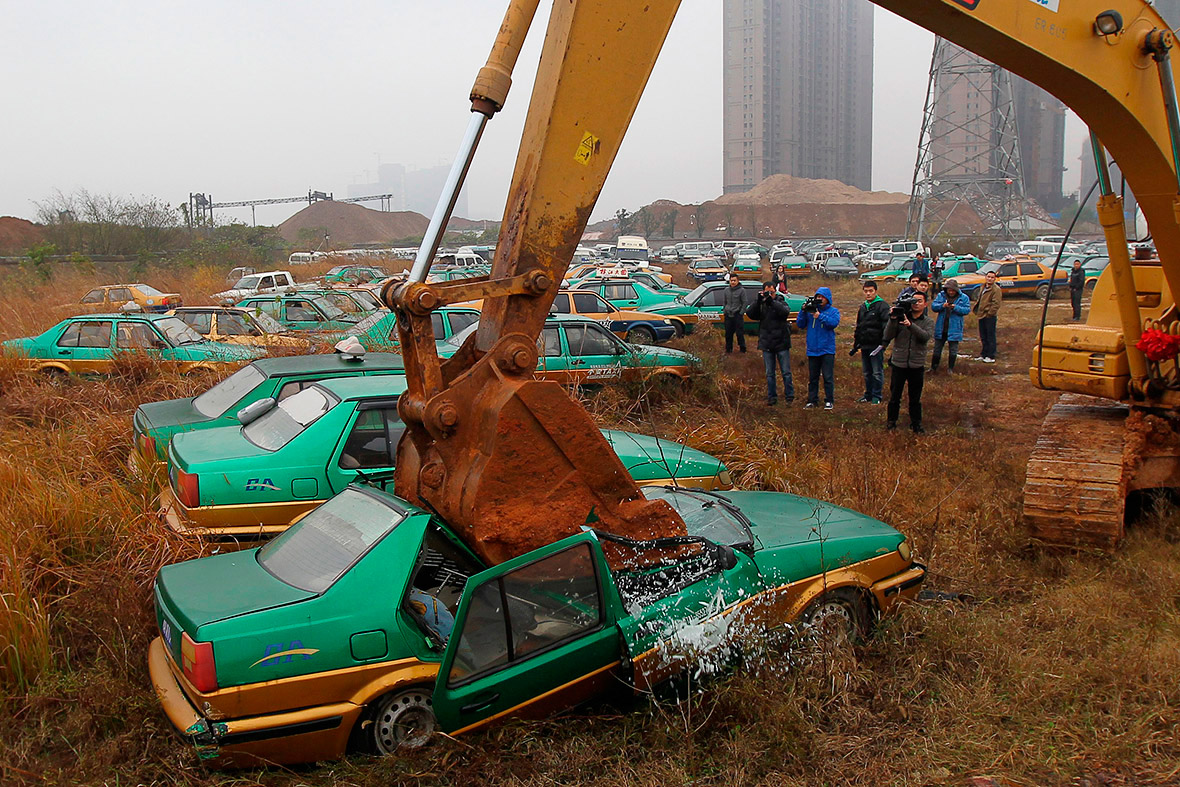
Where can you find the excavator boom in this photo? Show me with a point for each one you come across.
(513, 463)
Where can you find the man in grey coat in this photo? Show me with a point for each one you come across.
(910, 335)
(734, 311)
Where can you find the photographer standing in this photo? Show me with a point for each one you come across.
(871, 319)
(820, 318)
(774, 339)
(952, 306)
(732, 311)
(909, 328)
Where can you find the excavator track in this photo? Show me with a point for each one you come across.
(1075, 489)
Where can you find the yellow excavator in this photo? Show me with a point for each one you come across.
(513, 463)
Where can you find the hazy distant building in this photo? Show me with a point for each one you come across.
(414, 189)
(798, 86)
(1040, 121)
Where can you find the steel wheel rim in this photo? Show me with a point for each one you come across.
(404, 720)
(832, 618)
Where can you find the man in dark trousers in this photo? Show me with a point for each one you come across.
(910, 334)
(1077, 285)
(774, 339)
(868, 337)
(820, 318)
(987, 306)
(733, 310)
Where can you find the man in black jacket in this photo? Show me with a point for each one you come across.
(773, 314)
(1077, 284)
(871, 320)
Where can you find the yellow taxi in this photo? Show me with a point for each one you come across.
(235, 325)
(113, 297)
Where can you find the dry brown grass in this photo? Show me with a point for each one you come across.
(1063, 671)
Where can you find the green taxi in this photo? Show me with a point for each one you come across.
(747, 262)
(893, 273)
(579, 352)
(370, 625)
(379, 330)
(706, 302)
(640, 327)
(155, 423)
(94, 343)
(303, 311)
(285, 458)
(355, 274)
(626, 293)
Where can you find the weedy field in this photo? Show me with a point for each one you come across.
(1061, 671)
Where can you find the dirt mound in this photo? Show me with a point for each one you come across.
(16, 235)
(789, 190)
(350, 224)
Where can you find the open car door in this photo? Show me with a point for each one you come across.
(533, 636)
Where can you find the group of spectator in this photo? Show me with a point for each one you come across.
(906, 327)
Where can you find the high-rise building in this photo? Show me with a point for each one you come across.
(1040, 121)
(798, 87)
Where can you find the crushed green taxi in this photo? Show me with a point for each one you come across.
(253, 480)
(370, 625)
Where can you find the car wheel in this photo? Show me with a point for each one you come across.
(54, 374)
(678, 326)
(1042, 292)
(400, 720)
(641, 334)
(1091, 284)
(838, 617)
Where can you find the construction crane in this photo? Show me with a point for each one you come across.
(514, 463)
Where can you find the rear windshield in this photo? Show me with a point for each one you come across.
(178, 332)
(214, 402)
(148, 289)
(316, 551)
(283, 423)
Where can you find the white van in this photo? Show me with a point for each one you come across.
(305, 257)
(1039, 248)
(632, 247)
(910, 247)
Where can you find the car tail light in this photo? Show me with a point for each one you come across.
(188, 489)
(147, 446)
(197, 664)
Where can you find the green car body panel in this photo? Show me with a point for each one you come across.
(379, 330)
(627, 294)
(245, 489)
(707, 303)
(266, 377)
(271, 623)
(90, 343)
(302, 310)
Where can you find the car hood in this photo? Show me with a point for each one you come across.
(649, 458)
(222, 351)
(790, 531)
(209, 589)
(219, 444)
(666, 354)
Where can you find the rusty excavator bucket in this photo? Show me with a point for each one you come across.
(509, 462)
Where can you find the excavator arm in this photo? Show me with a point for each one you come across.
(513, 463)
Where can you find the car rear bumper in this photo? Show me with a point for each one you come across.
(229, 522)
(306, 735)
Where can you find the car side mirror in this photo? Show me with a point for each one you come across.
(725, 555)
(159, 344)
(255, 410)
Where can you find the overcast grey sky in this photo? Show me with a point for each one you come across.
(249, 99)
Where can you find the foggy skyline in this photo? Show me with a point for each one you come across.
(266, 99)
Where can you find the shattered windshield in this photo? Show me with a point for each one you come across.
(283, 424)
(178, 332)
(705, 516)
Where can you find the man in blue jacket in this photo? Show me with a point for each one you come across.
(820, 318)
(951, 306)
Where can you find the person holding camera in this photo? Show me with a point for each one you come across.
(773, 314)
(951, 306)
(732, 310)
(820, 318)
(910, 329)
(871, 320)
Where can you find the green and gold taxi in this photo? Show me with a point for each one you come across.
(285, 458)
(370, 625)
(379, 330)
(93, 344)
(303, 311)
(707, 302)
(155, 423)
(641, 327)
(578, 352)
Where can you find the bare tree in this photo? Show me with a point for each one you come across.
(108, 224)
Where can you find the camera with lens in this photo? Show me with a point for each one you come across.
(812, 304)
(903, 308)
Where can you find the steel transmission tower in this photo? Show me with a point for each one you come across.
(968, 154)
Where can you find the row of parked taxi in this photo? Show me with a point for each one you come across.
(340, 617)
